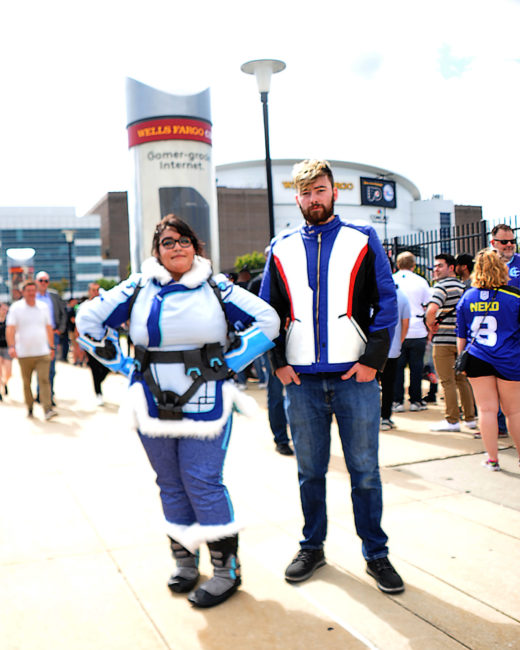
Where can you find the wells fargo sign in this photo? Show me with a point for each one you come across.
(169, 128)
(289, 185)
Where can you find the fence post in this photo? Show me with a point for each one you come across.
(483, 234)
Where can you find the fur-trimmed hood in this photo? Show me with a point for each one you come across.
(200, 271)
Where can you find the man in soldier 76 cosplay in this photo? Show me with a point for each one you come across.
(331, 284)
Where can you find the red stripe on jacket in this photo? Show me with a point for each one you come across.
(353, 275)
(279, 267)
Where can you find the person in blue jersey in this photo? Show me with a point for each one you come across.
(504, 242)
(180, 398)
(332, 287)
(488, 327)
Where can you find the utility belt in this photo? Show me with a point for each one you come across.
(202, 365)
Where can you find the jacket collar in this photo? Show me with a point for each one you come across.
(200, 271)
(311, 230)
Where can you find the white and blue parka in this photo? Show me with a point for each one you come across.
(183, 315)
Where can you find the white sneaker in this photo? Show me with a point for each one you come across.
(417, 406)
(50, 414)
(99, 400)
(397, 407)
(444, 425)
(471, 424)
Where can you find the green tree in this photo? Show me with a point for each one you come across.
(106, 284)
(59, 285)
(255, 261)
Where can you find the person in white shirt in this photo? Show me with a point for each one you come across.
(418, 292)
(30, 339)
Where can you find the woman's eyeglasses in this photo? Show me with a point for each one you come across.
(169, 242)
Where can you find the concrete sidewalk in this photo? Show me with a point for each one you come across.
(84, 560)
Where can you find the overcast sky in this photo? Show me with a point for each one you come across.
(429, 90)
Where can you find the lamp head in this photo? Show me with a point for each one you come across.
(263, 69)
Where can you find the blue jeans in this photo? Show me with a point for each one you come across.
(502, 426)
(276, 409)
(261, 365)
(310, 407)
(412, 354)
(52, 369)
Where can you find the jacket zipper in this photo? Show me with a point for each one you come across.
(318, 300)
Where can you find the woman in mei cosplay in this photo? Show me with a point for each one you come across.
(181, 395)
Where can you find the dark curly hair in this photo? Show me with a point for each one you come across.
(172, 221)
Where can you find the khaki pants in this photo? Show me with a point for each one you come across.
(443, 358)
(41, 365)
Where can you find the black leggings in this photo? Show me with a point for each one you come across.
(99, 372)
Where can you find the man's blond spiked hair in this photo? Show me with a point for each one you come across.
(307, 171)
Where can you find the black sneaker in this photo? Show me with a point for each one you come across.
(284, 449)
(304, 564)
(387, 578)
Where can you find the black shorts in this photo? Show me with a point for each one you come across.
(478, 368)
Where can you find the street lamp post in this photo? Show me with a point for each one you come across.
(263, 69)
(69, 236)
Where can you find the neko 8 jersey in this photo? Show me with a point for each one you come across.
(493, 318)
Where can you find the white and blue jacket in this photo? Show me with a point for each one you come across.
(333, 289)
(184, 315)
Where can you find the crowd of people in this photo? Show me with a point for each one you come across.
(38, 329)
(457, 314)
(342, 329)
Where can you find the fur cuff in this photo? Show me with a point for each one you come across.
(191, 537)
(200, 271)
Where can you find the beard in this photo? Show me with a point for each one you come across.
(322, 214)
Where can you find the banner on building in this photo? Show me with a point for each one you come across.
(378, 192)
(169, 137)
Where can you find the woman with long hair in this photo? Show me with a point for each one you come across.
(488, 327)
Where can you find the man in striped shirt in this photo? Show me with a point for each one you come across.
(441, 318)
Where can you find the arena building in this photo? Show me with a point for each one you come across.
(366, 195)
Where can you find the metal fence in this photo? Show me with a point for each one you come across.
(468, 238)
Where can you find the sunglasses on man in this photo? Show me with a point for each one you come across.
(504, 242)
